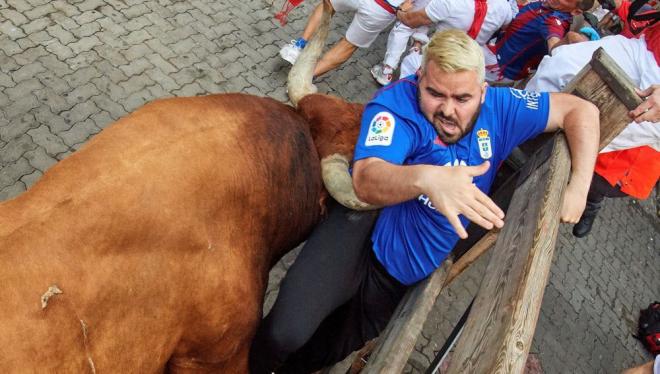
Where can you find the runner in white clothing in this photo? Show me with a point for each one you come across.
(371, 18)
(464, 15)
(630, 164)
(634, 58)
(397, 42)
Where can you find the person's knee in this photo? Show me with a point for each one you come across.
(332, 8)
(346, 46)
(284, 338)
(273, 344)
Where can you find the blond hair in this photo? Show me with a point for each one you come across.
(453, 51)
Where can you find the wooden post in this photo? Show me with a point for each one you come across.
(603, 83)
(497, 333)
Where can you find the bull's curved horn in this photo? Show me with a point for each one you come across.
(301, 74)
(338, 182)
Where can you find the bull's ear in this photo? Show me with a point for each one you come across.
(338, 182)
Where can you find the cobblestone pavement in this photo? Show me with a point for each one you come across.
(70, 68)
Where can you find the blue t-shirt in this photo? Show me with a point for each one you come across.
(411, 239)
(524, 42)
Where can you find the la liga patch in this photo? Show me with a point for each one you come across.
(381, 130)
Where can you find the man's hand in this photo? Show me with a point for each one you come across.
(450, 189)
(575, 199)
(452, 193)
(406, 6)
(649, 110)
(410, 17)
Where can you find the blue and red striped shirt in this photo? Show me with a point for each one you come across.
(524, 42)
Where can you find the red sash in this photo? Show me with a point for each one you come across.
(480, 10)
(385, 5)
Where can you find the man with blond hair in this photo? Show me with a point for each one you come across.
(427, 152)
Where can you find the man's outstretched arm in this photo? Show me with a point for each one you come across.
(450, 189)
(579, 120)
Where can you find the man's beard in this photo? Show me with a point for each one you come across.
(453, 138)
(447, 138)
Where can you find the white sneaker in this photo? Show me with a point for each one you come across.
(381, 75)
(290, 52)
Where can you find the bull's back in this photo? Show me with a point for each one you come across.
(176, 208)
(207, 154)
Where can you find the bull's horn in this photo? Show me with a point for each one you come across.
(301, 74)
(339, 184)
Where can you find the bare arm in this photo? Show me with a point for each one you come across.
(450, 189)
(579, 120)
(414, 18)
(571, 37)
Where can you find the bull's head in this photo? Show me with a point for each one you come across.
(334, 123)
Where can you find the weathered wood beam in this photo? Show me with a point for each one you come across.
(603, 83)
(471, 256)
(497, 333)
(596, 82)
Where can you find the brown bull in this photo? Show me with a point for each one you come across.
(149, 248)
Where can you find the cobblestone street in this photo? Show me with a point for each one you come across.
(70, 68)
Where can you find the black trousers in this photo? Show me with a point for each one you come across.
(334, 298)
(599, 189)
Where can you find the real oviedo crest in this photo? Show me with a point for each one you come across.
(485, 149)
(381, 130)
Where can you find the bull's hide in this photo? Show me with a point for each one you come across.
(151, 245)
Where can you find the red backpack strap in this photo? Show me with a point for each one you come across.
(480, 10)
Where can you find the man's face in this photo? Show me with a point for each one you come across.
(450, 101)
(568, 6)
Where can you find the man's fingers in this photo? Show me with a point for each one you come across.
(478, 170)
(490, 204)
(486, 210)
(456, 224)
(570, 217)
(644, 93)
(484, 214)
(639, 113)
(476, 217)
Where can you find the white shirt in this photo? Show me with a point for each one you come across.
(631, 55)
(458, 14)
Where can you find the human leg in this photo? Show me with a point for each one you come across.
(291, 51)
(369, 20)
(314, 21)
(397, 41)
(337, 55)
(349, 327)
(325, 275)
(599, 189)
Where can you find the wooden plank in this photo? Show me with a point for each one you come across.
(615, 78)
(499, 331)
(603, 83)
(399, 339)
(471, 256)
(598, 82)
